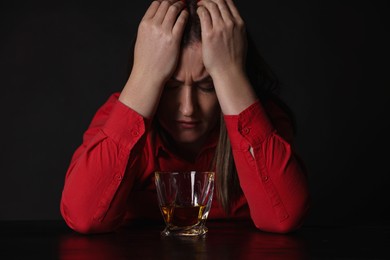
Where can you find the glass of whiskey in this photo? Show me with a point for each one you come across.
(185, 200)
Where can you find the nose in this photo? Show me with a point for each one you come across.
(187, 101)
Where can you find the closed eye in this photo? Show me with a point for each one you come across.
(206, 87)
(205, 84)
(171, 84)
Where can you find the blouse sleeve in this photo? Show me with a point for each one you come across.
(271, 176)
(96, 186)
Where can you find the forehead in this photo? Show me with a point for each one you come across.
(191, 63)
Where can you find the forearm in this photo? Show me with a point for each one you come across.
(142, 93)
(271, 177)
(88, 203)
(234, 91)
(156, 54)
(274, 185)
(100, 175)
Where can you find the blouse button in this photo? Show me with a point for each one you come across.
(265, 178)
(135, 133)
(246, 130)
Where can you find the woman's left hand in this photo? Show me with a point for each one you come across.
(223, 37)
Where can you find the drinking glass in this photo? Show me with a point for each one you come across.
(185, 200)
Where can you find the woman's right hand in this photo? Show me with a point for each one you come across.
(160, 31)
(156, 55)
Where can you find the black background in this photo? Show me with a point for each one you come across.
(60, 61)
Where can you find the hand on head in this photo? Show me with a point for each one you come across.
(159, 36)
(223, 37)
(161, 31)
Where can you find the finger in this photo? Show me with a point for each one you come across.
(213, 10)
(162, 11)
(233, 9)
(178, 28)
(205, 19)
(151, 10)
(172, 15)
(224, 9)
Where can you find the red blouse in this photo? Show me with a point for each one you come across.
(110, 180)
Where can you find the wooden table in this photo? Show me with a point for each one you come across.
(225, 240)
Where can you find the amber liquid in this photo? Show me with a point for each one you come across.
(179, 216)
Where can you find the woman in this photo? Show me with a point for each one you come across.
(196, 99)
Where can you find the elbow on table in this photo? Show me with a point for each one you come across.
(84, 228)
(284, 227)
(90, 226)
(292, 222)
(87, 224)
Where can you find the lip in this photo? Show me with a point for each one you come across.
(187, 124)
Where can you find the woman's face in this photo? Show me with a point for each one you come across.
(189, 107)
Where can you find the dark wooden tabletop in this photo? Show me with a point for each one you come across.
(225, 240)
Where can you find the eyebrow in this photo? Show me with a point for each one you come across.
(202, 80)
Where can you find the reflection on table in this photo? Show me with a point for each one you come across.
(225, 240)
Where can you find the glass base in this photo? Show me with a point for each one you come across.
(185, 232)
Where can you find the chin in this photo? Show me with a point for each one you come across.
(186, 140)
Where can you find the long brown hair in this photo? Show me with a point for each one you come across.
(265, 85)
